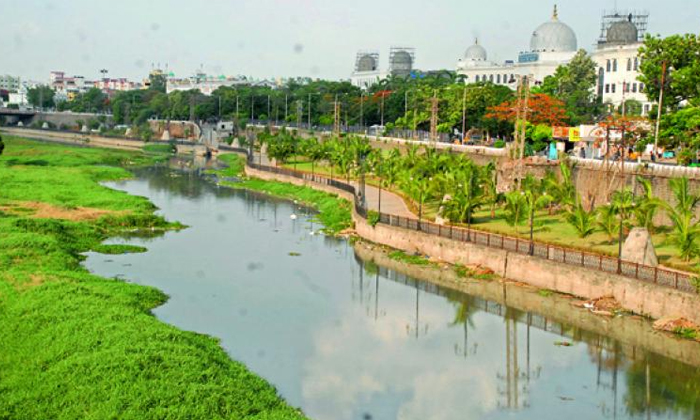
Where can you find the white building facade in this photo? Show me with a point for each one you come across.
(618, 61)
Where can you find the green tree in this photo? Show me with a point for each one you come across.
(581, 220)
(681, 56)
(536, 197)
(41, 97)
(646, 205)
(607, 221)
(573, 84)
(685, 228)
(515, 208)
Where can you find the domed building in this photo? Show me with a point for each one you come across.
(474, 56)
(617, 58)
(552, 44)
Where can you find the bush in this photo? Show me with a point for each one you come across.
(499, 144)
(373, 218)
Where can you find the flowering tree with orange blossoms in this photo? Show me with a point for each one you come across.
(542, 109)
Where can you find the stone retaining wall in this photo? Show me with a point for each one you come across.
(637, 296)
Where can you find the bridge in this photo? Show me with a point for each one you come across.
(13, 116)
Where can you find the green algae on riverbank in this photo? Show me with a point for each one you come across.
(334, 212)
(75, 345)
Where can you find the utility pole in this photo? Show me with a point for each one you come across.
(434, 118)
(219, 107)
(382, 119)
(237, 117)
(252, 108)
(464, 113)
(309, 116)
(286, 106)
(661, 102)
(336, 117)
(362, 109)
(524, 100)
(268, 109)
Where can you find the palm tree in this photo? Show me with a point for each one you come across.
(535, 198)
(492, 196)
(515, 208)
(685, 229)
(468, 195)
(607, 221)
(581, 220)
(646, 205)
(563, 191)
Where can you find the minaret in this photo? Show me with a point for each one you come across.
(555, 15)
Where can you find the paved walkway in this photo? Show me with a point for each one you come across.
(391, 203)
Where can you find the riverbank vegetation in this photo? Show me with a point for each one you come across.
(333, 212)
(75, 345)
(550, 210)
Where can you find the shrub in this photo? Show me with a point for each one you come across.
(373, 218)
(499, 144)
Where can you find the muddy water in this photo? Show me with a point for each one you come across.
(343, 339)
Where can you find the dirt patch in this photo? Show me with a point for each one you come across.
(673, 324)
(48, 211)
(606, 305)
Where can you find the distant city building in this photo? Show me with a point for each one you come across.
(618, 61)
(208, 84)
(368, 71)
(67, 88)
(9, 83)
(121, 84)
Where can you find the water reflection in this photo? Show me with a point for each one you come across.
(347, 339)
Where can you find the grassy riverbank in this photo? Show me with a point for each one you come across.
(334, 212)
(75, 345)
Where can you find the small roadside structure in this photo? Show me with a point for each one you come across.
(639, 249)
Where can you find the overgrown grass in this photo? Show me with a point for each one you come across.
(117, 249)
(75, 345)
(165, 149)
(334, 212)
(408, 259)
(235, 165)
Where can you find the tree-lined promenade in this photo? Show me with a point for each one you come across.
(452, 187)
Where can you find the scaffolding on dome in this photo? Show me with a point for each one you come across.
(640, 19)
(367, 61)
(401, 60)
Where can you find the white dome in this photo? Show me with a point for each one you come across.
(475, 53)
(553, 36)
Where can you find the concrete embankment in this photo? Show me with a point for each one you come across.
(633, 332)
(634, 295)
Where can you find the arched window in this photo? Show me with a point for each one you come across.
(629, 64)
(614, 65)
(607, 66)
(477, 78)
(491, 78)
(636, 63)
(498, 79)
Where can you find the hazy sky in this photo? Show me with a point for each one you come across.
(271, 38)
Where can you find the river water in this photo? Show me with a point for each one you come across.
(347, 340)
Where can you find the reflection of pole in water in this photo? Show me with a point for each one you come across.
(362, 282)
(648, 380)
(417, 309)
(512, 372)
(615, 361)
(376, 295)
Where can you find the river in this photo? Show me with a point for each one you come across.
(347, 340)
